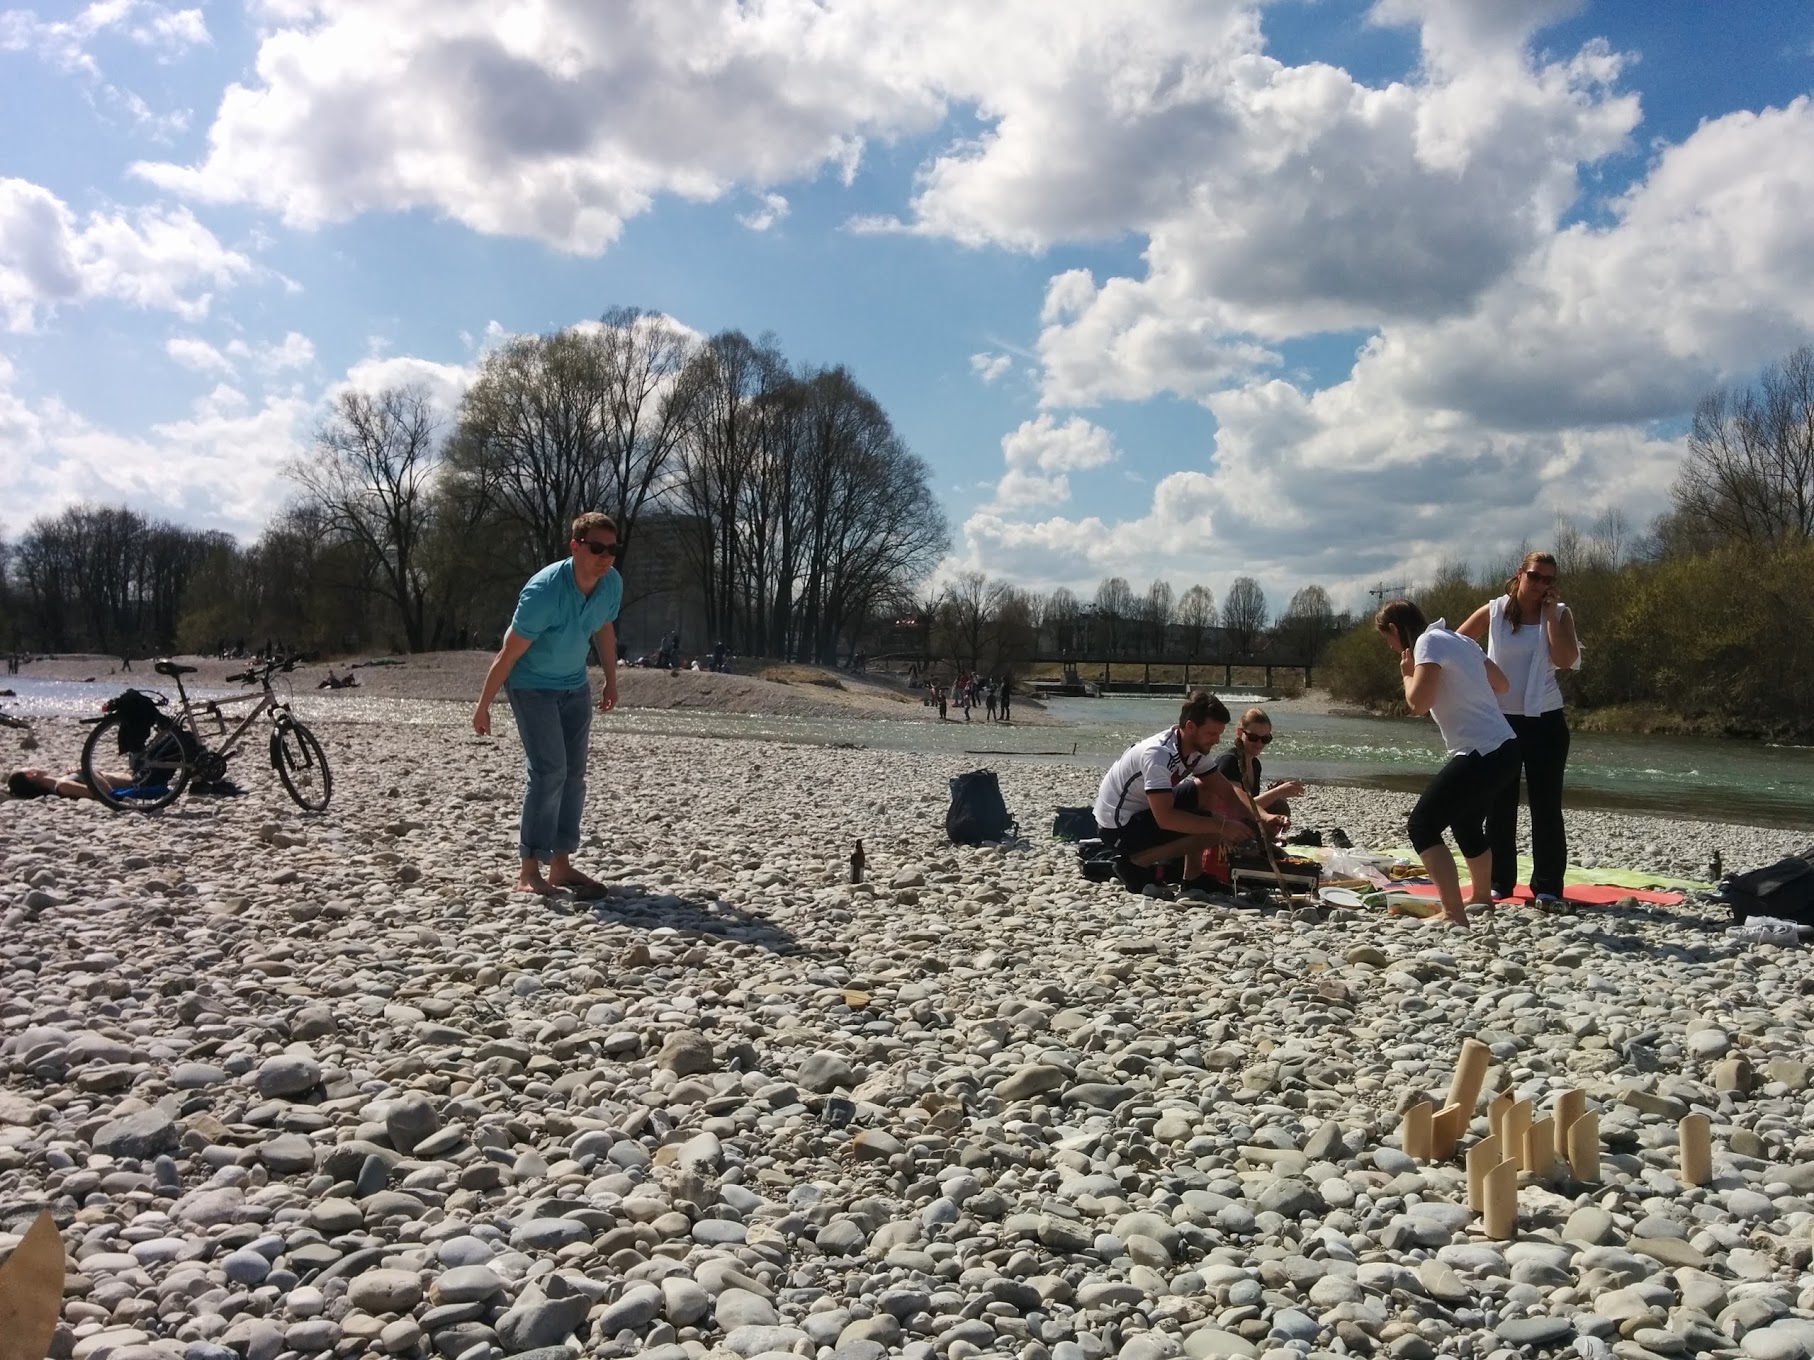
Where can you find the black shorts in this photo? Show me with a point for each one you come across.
(1143, 832)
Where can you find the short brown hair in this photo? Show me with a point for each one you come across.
(593, 519)
(1200, 706)
(1404, 616)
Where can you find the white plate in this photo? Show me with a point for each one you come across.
(1341, 897)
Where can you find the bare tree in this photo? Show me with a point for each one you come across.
(1015, 631)
(1613, 537)
(1156, 613)
(645, 407)
(1244, 613)
(963, 616)
(1114, 606)
(732, 380)
(1196, 616)
(1308, 624)
(1064, 620)
(530, 438)
(371, 473)
(1749, 474)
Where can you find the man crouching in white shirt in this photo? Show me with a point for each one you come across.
(1157, 801)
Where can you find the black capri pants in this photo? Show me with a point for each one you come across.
(1460, 797)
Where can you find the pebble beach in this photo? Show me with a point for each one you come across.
(311, 1086)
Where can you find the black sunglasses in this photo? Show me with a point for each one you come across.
(1257, 738)
(598, 549)
(1549, 580)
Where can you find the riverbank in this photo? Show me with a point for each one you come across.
(324, 1085)
(791, 691)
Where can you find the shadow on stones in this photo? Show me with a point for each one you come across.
(631, 906)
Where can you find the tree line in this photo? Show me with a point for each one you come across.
(799, 510)
(979, 623)
(811, 529)
(1705, 620)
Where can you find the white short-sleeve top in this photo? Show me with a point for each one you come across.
(1466, 711)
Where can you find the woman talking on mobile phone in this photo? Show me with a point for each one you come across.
(1530, 634)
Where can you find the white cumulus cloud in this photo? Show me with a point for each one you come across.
(773, 208)
(158, 258)
(1039, 454)
(989, 366)
(552, 119)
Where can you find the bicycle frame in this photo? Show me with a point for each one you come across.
(262, 703)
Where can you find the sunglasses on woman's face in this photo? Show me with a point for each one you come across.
(1257, 738)
(1541, 579)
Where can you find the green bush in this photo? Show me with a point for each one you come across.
(1359, 668)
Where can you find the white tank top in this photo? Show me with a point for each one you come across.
(1524, 657)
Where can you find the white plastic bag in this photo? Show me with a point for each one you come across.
(1349, 864)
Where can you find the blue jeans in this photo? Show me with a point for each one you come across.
(554, 725)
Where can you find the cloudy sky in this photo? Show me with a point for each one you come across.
(1312, 290)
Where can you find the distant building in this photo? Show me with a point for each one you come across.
(662, 591)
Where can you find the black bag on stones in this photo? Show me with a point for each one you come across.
(977, 812)
(1075, 824)
(1784, 890)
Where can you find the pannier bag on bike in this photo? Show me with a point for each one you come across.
(977, 812)
(138, 714)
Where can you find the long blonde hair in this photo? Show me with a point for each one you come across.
(1531, 559)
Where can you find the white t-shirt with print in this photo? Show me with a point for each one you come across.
(1155, 763)
(1466, 709)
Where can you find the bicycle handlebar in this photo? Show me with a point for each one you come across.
(255, 675)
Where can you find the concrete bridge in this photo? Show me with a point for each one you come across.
(1196, 672)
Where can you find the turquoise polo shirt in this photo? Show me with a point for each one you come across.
(559, 622)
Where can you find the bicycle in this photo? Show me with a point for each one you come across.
(166, 750)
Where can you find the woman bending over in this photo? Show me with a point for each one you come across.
(1447, 677)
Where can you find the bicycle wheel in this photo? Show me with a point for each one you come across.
(160, 772)
(302, 766)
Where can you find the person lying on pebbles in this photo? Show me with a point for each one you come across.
(23, 784)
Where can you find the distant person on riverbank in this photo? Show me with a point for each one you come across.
(542, 666)
(1530, 635)
(1007, 688)
(1240, 766)
(1160, 792)
(1448, 677)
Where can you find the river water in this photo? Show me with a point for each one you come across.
(1709, 779)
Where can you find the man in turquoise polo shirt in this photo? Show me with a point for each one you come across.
(542, 666)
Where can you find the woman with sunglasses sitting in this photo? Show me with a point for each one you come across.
(1240, 766)
(1530, 635)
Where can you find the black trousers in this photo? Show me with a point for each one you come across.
(1543, 753)
(1459, 797)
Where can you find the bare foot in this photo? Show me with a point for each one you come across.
(1445, 919)
(535, 885)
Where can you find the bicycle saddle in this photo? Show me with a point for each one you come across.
(173, 669)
